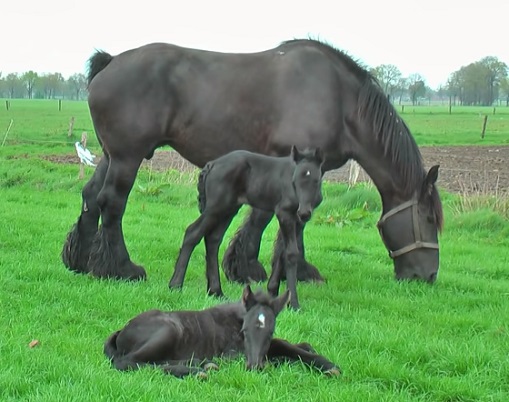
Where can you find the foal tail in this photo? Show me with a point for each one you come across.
(96, 63)
(202, 199)
(110, 346)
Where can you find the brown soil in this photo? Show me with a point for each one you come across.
(466, 169)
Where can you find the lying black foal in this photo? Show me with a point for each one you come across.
(183, 342)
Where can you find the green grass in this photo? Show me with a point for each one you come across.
(394, 341)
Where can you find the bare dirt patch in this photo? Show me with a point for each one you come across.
(466, 169)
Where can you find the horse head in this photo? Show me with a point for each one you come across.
(259, 324)
(410, 232)
(307, 180)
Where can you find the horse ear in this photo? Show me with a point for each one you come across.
(296, 156)
(280, 302)
(248, 298)
(430, 180)
(319, 155)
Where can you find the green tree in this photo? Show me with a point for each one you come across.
(13, 85)
(29, 79)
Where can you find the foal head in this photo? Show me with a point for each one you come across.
(307, 180)
(259, 324)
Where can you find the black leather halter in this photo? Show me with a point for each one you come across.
(418, 243)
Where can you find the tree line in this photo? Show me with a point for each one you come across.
(31, 85)
(483, 83)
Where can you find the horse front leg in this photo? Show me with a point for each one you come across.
(108, 256)
(240, 261)
(306, 272)
(76, 250)
(282, 350)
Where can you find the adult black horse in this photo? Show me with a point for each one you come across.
(205, 104)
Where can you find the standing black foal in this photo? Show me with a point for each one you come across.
(288, 186)
(182, 342)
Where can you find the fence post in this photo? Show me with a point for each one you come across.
(84, 144)
(7, 104)
(71, 126)
(494, 110)
(484, 125)
(59, 105)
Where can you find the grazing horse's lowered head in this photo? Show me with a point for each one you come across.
(182, 342)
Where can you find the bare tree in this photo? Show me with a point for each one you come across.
(416, 87)
(77, 83)
(388, 76)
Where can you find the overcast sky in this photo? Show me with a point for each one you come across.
(429, 37)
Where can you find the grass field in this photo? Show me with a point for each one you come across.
(394, 341)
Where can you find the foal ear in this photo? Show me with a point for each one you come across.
(430, 180)
(281, 302)
(248, 298)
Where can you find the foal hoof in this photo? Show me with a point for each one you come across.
(333, 372)
(210, 367)
(202, 375)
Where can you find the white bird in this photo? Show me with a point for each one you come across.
(84, 154)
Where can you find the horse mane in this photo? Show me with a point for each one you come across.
(390, 130)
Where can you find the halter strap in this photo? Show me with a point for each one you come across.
(418, 243)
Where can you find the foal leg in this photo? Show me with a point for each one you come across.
(194, 233)
(108, 256)
(212, 242)
(240, 261)
(281, 349)
(306, 272)
(76, 250)
(287, 225)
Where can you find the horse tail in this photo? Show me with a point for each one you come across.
(202, 198)
(110, 346)
(97, 62)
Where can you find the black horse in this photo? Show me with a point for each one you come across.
(288, 186)
(184, 342)
(206, 104)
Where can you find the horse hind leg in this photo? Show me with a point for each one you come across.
(109, 257)
(76, 250)
(240, 261)
(306, 272)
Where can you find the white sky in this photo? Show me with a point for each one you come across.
(429, 37)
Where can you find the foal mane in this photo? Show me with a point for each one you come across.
(390, 131)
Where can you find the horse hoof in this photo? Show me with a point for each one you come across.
(216, 294)
(333, 372)
(307, 272)
(211, 367)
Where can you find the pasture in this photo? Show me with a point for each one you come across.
(394, 341)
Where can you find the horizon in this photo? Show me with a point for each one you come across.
(433, 40)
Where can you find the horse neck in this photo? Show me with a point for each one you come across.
(386, 175)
